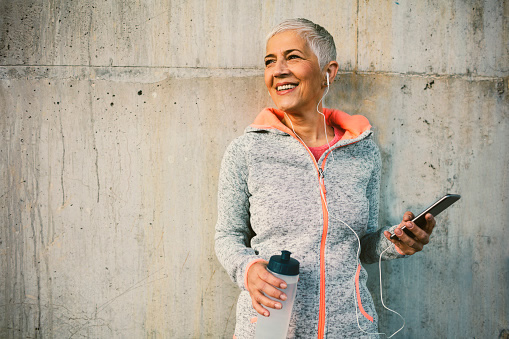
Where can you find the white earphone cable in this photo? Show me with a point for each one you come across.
(381, 295)
(324, 122)
(351, 229)
(380, 277)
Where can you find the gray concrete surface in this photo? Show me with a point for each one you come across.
(114, 118)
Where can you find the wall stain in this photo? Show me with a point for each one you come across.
(429, 85)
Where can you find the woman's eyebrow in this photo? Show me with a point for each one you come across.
(292, 50)
(285, 53)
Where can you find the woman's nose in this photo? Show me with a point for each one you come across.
(281, 68)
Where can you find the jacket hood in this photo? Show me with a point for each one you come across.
(353, 125)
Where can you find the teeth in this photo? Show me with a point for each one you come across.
(282, 88)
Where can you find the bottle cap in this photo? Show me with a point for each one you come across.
(283, 264)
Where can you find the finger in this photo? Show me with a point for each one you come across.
(430, 223)
(404, 242)
(259, 274)
(263, 300)
(259, 308)
(400, 247)
(271, 279)
(410, 242)
(267, 284)
(408, 216)
(418, 233)
(270, 291)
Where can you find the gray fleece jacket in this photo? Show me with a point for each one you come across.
(273, 195)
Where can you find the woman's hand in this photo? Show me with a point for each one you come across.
(406, 244)
(260, 281)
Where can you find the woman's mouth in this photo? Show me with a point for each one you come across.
(286, 88)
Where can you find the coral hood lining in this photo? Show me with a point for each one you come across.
(353, 125)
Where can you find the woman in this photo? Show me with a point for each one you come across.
(304, 181)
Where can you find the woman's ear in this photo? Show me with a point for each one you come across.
(332, 69)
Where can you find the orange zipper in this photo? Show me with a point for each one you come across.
(321, 312)
(321, 181)
(323, 191)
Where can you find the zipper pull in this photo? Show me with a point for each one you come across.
(322, 181)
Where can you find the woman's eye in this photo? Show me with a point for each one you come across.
(290, 57)
(268, 62)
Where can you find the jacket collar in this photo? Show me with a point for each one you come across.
(270, 120)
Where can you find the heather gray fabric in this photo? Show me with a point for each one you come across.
(269, 200)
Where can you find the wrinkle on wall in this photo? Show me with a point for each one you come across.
(115, 116)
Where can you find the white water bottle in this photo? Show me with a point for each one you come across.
(275, 326)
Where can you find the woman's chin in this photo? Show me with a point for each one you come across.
(286, 107)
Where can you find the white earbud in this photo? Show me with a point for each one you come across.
(327, 79)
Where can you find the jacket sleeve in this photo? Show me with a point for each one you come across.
(233, 230)
(373, 243)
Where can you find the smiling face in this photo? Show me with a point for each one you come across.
(292, 73)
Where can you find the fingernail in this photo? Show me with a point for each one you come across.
(398, 231)
(283, 297)
(266, 314)
(410, 225)
(283, 285)
(278, 306)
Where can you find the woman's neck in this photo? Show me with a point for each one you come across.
(310, 128)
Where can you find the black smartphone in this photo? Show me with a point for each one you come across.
(435, 209)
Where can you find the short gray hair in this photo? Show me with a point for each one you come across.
(319, 40)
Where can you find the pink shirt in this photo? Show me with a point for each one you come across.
(318, 151)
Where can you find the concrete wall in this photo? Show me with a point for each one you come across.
(114, 118)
